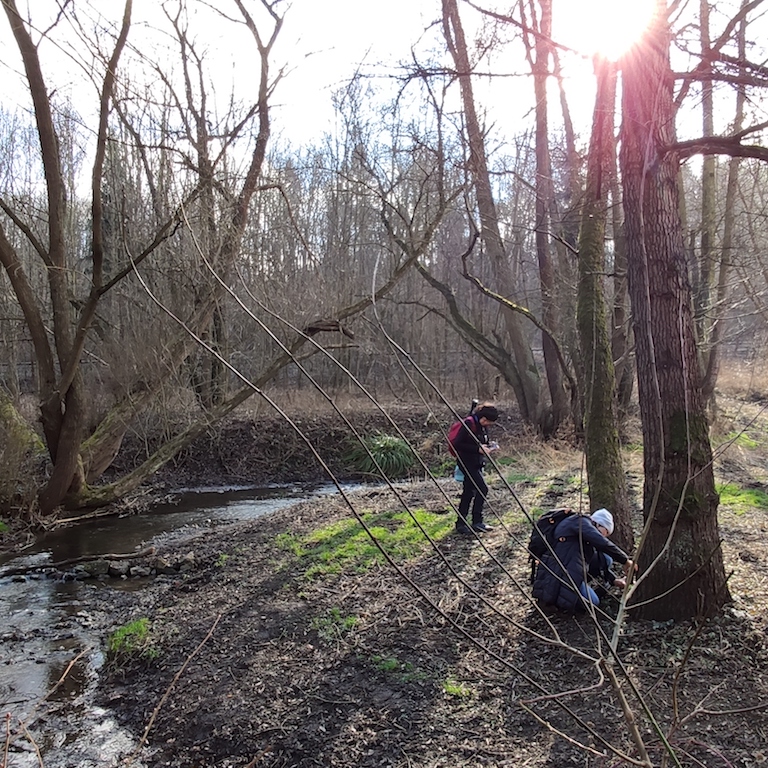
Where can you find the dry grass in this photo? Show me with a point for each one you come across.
(743, 378)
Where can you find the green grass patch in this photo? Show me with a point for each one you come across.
(403, 671)
(517, 478)
(389, 664)
(132, 639)
(456, 690)
(345, 545)
(741, 500)
(515, 517)
(3, 527)
(290, 543)
(444, 468)
(742, 439)
(332, 626)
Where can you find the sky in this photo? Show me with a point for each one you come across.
(327, 39)
(323, 41)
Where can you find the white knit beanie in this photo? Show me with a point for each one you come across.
(605, 518)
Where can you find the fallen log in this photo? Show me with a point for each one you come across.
(24, 569)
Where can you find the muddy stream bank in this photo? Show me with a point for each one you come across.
(257, 665)
(53, 637)
(51, 643)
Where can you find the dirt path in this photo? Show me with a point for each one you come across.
(435, 665)
(264, 654)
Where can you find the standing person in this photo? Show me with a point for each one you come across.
(581, 548)
(472, 448)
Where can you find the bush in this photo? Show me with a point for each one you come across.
(393, 455)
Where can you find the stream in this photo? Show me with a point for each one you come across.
(50, 653)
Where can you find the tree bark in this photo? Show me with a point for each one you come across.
(605, 472)
(529, 398)
(544, 195)
(681, 563)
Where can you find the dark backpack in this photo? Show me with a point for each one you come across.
(455, 431)
(543, 534)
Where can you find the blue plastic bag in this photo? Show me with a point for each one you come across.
(458, 475)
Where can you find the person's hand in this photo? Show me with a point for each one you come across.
(630, 565)
(619, 582)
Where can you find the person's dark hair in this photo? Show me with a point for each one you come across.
(490, 412)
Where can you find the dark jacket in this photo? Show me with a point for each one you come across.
(556, 575)
(468, 441)
(599, 570)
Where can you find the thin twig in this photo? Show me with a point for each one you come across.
(580, 745)
(629, 715)
(28, 719)
(168, 690)
(7, 738)
(34, 745)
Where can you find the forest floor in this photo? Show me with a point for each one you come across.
(293, 643)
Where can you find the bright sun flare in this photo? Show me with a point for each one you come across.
(606, 27)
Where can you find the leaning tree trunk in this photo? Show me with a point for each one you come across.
(605, 473)
(681, 563)
(529, 394)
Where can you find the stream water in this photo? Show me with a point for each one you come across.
(48, 627)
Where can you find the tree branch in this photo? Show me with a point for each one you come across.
(717, 145)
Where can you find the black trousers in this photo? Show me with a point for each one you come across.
(473, 494)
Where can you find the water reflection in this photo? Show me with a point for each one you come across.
(39, 641)
(189, 508)
(47, 622)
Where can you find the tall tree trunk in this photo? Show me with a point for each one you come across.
(529, 394)
(621, 329)
(718, 310)
(544, 195)
(605, 473)
(682, 573)
(565, 213)
(621, 334)
(703, 290)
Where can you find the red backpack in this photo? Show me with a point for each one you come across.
(453, 432)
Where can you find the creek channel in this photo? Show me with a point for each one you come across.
(51, 641)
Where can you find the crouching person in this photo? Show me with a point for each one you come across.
(582, 549)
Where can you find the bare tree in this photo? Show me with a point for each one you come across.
(527, 383)
(62, 397)
(539, 53)
(607, 487)
(712, 352)
(680, 550)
